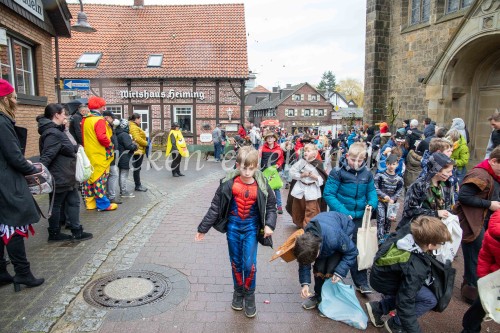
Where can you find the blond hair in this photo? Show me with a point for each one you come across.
(310, 146)
(357, 149)
(247, 156)
(439, 144)
(453, 135)
(429, 230)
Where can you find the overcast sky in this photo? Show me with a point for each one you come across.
(294, 41)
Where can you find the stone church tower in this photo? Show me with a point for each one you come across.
(438, 59)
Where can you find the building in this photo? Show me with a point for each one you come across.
(437, 58)
(182, 63)
(26, 33)
(297, 107)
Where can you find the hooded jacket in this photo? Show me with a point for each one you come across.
(459, 125)
(335, 231)
(139, 137)
(400, 269)
(429, 130)
(217, 215)
(126, 147)
(489, 255)
(412, 136)
(460, 153)
(57, 153)
(413, 168)
(348, 191)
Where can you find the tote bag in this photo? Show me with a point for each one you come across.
(273, 178)
(449, 250)
(489, 292)
(367, 241)
(83, 167)
(339, 302)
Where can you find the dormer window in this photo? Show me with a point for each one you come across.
(89, 60)
(155, 60)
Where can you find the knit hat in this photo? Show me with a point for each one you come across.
(95, 103)
(5, 88)
(270, 133)
(384, 128)
(438, 161)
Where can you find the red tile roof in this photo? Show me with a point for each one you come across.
(260, 89)
(197, 41)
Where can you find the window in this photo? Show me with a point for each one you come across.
(290, 112)
(16, 64)
(307, 112)
(155, 60)
(296, 97)
(312, 98)
(184, 116)
(259, 99)
(143, 111)
(455, 5)
(420, 11)
(116, 110)
(88, 60)
(321, 113)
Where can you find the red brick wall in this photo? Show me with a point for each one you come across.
(44, 72)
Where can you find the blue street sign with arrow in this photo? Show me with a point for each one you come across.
(77, 84)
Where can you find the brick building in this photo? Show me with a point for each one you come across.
(437, 58)
(296, 107)
(184, 63)
(26, 59)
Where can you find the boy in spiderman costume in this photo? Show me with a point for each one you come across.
(243, 206)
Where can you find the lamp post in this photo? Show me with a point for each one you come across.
(81, 26)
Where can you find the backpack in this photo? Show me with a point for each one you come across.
(444, 279)
(83, 167)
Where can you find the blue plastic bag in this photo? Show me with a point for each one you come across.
(339, 302)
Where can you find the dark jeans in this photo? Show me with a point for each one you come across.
(218, 150)
(175, 166)
(136, 163)
(360, 278)
(71, 200)
(473, 317)
(425, 301)
(471, 252)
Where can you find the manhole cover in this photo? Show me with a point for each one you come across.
(127, 289)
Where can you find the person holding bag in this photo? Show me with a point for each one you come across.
(176, 146)
(58, 154)
(18, 210)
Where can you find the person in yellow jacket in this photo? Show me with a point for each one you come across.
(176, 145)
(139, 137)
(96, 139)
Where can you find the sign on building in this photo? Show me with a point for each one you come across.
(34, 7)
(77, 84)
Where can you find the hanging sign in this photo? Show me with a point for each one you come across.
(34, 7)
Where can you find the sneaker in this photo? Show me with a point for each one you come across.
(116, 201)
(311, 303)
(280, 210)
(364, 289)
(391, 326)
(375, 314)
(128, 195)
(321, 313)
(141, 188)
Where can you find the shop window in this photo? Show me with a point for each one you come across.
(456, 5)
(89, 60)
(117, 110)
(155, 60)
(16, 63)
(184, 116)
(420, 11)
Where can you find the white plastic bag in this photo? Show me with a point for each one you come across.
(449, 250)
(367, 241)
(392, 210)
(489, 292)
(83, 167)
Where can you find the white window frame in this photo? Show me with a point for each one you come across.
(305, 113)
(15, 68)
(117, 110)
(143, 110)
(153, 60)
(82, 62)
(313, 98)
(321, 111)
(290, 112)
(296, 98)
(176, 114)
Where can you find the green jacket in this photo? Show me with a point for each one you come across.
(460, 153)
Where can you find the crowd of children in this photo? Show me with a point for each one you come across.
(330, 208)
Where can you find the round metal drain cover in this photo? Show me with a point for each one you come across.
(127, 289)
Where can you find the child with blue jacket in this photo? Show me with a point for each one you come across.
(348, 190)
(326, 242)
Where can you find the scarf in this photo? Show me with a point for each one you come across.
(486, 166)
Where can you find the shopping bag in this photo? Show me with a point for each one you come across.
(83, 167)
(489, 293)
(367, 241)
(392, 210)
(339, 302)
(273, 177)
(449, 250)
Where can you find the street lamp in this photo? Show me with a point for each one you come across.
(81, 23)
(229, 113)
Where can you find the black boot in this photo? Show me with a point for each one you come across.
(237, 303)
(174, 174)
(80, 235)
(55, 235)
(17, 255)
(180, 174)
(5, 277)
(250, 309)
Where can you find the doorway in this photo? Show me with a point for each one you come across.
(143, 111)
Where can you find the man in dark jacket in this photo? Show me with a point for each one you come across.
(413, 135)
(402, 272)
(75, 123)
(326, 242)
(429, 128)
(58, 154)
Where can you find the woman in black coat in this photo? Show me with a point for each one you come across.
(126, 148)
(58, 154)
(17, 207)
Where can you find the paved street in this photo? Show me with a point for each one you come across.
(154, 232)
